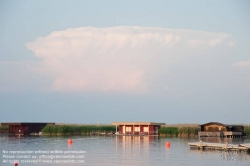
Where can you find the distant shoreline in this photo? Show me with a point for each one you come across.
(175, 130)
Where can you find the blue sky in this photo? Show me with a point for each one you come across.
(104, 61)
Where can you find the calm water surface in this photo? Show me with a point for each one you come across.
(124, 150)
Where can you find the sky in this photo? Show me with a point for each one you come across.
(97, 62)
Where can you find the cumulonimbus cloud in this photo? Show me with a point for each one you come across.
(115, 58)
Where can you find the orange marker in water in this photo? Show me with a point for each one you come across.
(167, 144)
(70, 141)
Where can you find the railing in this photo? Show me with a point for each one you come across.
(101, 132)
(218, 133)
(232, 133)
(138, 133)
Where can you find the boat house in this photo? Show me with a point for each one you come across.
(215, 129)
(137, 128)
(25, 128)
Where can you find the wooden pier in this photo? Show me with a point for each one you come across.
(219, 146)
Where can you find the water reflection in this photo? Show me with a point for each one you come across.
(135, 149)
(131, 150)
(135, 141)
(233, 155)
(222, 140)
(236, 157)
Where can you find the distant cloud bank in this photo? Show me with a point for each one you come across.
(242, 64)
(122, 59)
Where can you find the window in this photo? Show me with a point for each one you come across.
(137, 129)
(128, 129)
(145, 129)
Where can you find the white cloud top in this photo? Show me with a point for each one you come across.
(123, 59)
(242, 64)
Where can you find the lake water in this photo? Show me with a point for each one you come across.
(115, 150)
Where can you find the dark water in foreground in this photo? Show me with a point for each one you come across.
(119, 151)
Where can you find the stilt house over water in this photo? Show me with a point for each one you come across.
(215, 129)
(137, 128)
(25, 128)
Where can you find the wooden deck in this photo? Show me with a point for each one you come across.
(246, 145)
(135, 135)
(101, 132)
(228, 134)
(219, 146)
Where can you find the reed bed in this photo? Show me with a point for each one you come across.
(4, 127)
(247, 130)
(175, 130)
(169, 131)
(180, 130)
(75, 129)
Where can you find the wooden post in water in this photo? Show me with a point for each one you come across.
(226, 146)
(200, 146)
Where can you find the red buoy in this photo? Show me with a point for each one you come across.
(70, 141)
(15, 163)
(167, 144)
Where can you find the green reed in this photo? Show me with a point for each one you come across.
(169, 131)
(188, 130)
(247, 130)
(4, 127)
(180, 130)
(75, 129)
